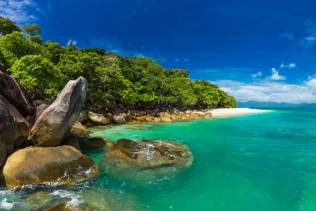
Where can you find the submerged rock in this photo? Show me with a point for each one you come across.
(98, 119)
(13, 129)
(150, 158)
(40, 165)
(16, 94)
(94, 200)
(52, 125)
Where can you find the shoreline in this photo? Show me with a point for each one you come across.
(194, 114)
(171, 116)
(229, 112)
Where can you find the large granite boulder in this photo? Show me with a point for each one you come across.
(16, 95)
(146, 159)
(41, 165)
(56, 121)
(13, 129)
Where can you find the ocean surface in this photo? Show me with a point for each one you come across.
(259, 162)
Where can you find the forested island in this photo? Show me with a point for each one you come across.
(116, 83)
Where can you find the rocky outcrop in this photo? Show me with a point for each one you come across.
(40, 165)
(52, 125)
(134, 159)
(169, 116)
(98, 119)
(13, 129)
(16, 95)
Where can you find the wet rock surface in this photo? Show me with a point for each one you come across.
(154, 158)
(40, 165)
(94, 200)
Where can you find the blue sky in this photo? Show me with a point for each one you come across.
(256, 50)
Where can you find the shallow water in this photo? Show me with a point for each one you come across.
(256, 162)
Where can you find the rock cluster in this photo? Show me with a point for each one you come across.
(31, 151)
(170, 116)
(143, 116)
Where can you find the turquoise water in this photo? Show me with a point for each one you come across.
(255, 162)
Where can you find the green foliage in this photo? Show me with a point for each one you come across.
(7, 26)
(13, 46)
(38, 74)
(37, 39)
(115, 82)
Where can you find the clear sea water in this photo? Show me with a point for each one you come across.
(261, 162)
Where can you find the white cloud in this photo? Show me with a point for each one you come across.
(268, 91)
(20, 11)
(72, 42)
(275, 76)
(288, 66)
(309, 39)
(257, 74)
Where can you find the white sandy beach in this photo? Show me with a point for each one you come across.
(227, 112)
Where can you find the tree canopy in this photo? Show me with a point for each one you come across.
(116, 83)
(7, 26)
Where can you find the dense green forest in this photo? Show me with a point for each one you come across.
(116, 83)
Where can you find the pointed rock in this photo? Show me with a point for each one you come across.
(52, 125)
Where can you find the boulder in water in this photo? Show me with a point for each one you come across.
(56, 121)
(40, 165)
(146, 158)
(98, 200)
